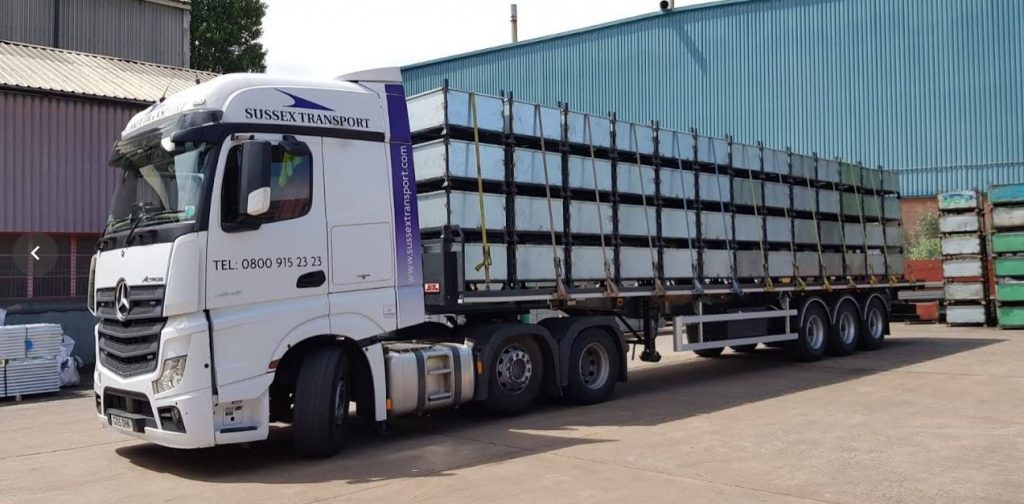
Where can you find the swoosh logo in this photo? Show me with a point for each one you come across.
(300, 102)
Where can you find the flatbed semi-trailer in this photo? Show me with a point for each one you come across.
(263, 261)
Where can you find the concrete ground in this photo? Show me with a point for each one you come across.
(936, 416)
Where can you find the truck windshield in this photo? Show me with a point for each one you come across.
(158, 187)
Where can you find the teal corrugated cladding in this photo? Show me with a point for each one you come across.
(901, 83)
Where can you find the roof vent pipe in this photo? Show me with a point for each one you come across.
(667, 5)
(515, 25)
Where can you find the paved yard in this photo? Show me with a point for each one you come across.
(936, 416)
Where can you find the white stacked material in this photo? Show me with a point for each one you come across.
(12, 342)
(43, 340)
(32, 376)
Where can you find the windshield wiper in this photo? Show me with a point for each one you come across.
(144, 216)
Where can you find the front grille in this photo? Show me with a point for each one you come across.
(130, 348)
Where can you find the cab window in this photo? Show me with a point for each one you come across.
(291, 184)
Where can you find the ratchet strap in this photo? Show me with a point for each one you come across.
(842, 234)
(817, 233)
(697, 288)
(800, 284)
(485, 263)
(659, 289)
(768, 285)
(610, 289)
(729, 232)
(560, 291)
(864, 230)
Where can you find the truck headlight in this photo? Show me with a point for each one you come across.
(174, 371)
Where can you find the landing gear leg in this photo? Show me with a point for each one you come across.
(650, 353)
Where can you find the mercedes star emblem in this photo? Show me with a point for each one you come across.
(122, 303)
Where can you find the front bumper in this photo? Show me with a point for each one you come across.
(148, 415)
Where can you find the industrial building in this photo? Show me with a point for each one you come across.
(156, 31)
(928, 88)
(72, 72)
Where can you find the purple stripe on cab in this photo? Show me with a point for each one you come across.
(403, 182)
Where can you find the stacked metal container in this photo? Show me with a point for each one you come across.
(558, 195)
(963, 251)
(28, 359)
(1008, 248)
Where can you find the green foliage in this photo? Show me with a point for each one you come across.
(925, 241)
(225, 35)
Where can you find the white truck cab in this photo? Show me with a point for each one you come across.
(255, 214)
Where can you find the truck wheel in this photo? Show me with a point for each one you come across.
(872, 335)
(744, 348)
(691, 337)
(845, 332)
(593, 367)
(321, 402)
(516, 374)
(813, 334)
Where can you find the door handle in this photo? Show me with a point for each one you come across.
(311, 279)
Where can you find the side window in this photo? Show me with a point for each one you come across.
(291, 184)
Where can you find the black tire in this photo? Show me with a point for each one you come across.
(744, 348)
(515, 375)
(813, 333)
(322, 396)
(593, 367)
(845, 333)
(876, 319)
(707, 353)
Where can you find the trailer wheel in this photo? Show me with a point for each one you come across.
(872, 335)
(707, 353)
(845, 332)
(593, 367)
(811, 342)
(744, 348)
(516, 374)
(321, 402)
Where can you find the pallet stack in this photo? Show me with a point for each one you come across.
(28, 359)
(961, 224)
(623, 204)
(1008, 249)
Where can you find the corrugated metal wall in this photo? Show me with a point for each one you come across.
(131, 29)
(28, 21)
(54, 176)
(901, 83)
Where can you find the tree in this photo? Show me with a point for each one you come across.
(925, 243)
(225, 35)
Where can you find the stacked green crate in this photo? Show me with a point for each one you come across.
(963, 253)
(1008, 248)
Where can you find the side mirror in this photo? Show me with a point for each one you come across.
(254, 178)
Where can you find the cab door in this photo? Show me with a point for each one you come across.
(266, 278)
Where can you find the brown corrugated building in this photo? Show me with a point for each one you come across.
(62, 106)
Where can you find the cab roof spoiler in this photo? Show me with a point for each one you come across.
(390, 75)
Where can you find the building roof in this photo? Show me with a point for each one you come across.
(580, 31)
(45, 69)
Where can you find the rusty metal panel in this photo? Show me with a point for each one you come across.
(1008, 217)
(962, 223)
(55, 177)
(961, 245)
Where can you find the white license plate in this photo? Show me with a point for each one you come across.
(122, 422)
